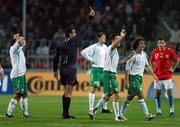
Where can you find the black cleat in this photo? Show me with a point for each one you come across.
(171, 114)
(8, 116)
(106, 111)
(92, 115)
(25, 116)
(158, 114)
(72, 117)
(68, 117)
(119, 118)
(150, 117)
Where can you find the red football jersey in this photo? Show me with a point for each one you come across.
(162, 62)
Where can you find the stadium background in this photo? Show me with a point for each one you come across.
(43, 29)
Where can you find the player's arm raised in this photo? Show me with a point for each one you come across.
(92, 12)
(119, 39)
(167, 27)
(83, 31)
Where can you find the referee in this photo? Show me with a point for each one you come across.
(67, 53)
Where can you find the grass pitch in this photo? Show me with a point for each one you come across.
(46, 111)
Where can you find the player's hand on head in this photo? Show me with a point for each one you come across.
(20, 40)
(16, 36)
(92, 12)
(23, 42)
(123, 33)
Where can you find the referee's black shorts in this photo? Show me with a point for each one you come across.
(68, 75)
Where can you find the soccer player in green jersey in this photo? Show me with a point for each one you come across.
(17, 76)
(133, 78)
(110, 85)
(95, 54)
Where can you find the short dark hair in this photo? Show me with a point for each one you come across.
(136, 42)
(99, 35)
(68, 30)
(112, 36)
(160, 38)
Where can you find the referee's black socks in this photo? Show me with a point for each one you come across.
(66, 104)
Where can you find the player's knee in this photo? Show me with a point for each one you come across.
(157, 93)
(17, 96)
(129, 98)
(93, 90)
(24, 95)
(67, 94)
(140, 96)
(169, 92)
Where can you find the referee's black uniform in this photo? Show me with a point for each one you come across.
(66, 52)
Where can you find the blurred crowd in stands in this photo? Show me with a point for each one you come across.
(46, 21)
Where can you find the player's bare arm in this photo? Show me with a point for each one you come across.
(149, 69)
(173, 67)
(2, 72)
(122, 61)
(151, 64)
(56, 76)
(85, 54)
(92, 12)
(126, 83)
